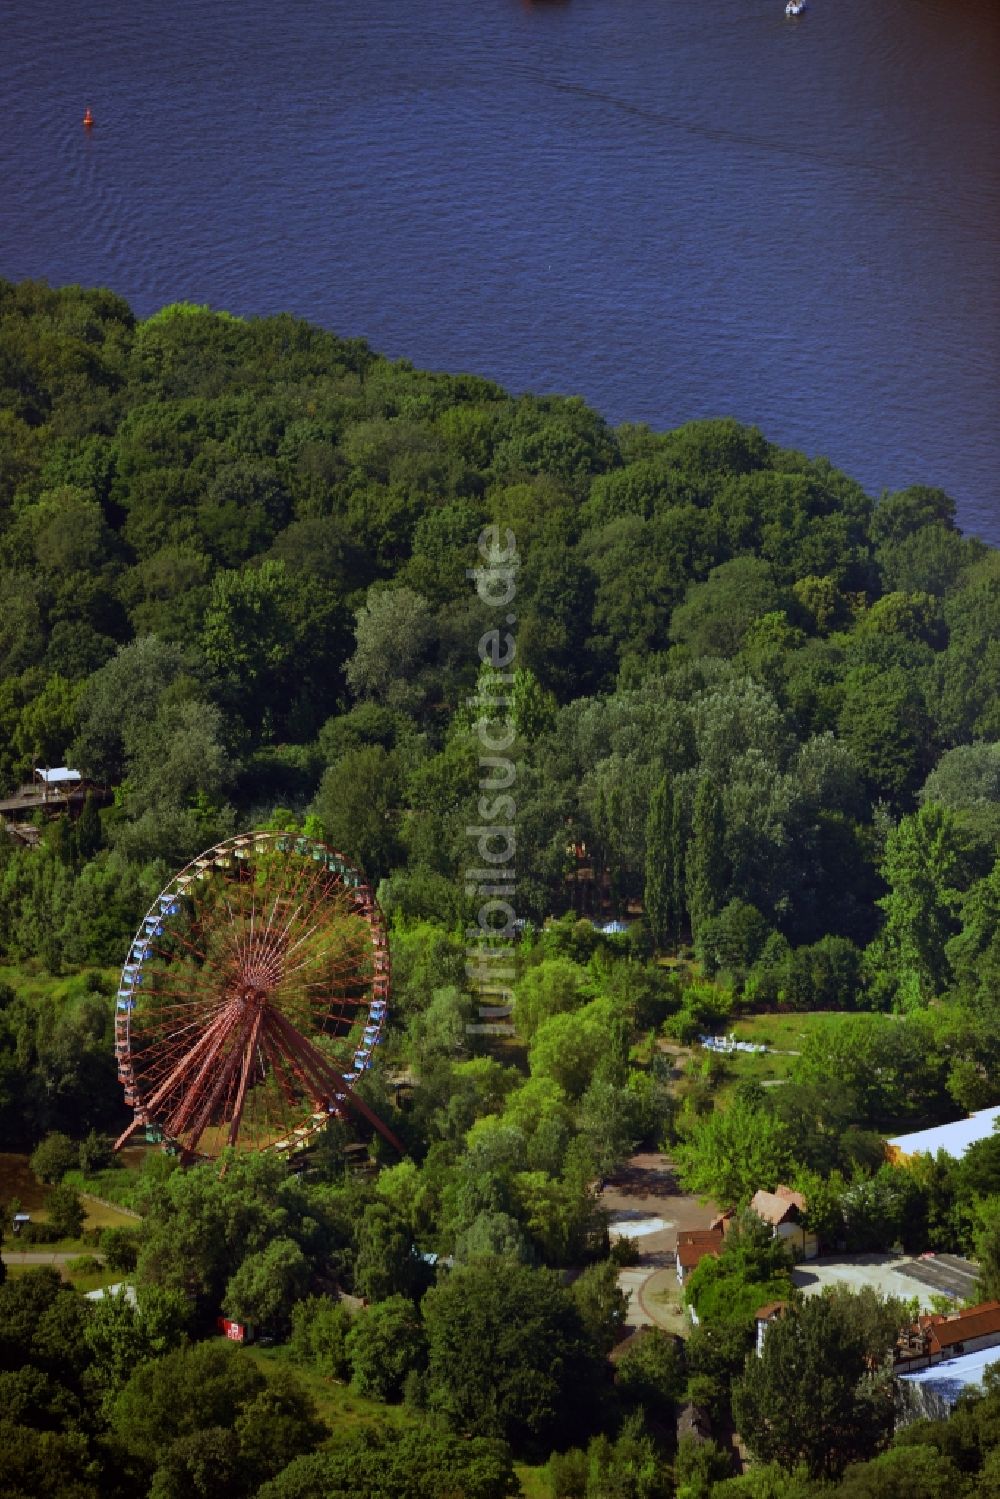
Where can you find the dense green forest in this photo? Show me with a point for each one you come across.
(752, 710)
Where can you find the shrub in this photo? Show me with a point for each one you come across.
(39, 1233)
(625, 1251)
(65, 1211)
(120, 1247)
(320, 1325)
(56, 1155)
(84, 1264)
(384, 1344)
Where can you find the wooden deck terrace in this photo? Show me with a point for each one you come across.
(30, 798)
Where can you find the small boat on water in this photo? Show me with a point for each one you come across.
(88, 119)
(795, 7)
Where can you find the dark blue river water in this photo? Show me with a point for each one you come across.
(672, 209)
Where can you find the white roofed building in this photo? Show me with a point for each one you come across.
(954, 1139)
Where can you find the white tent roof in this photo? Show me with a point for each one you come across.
(953, 1139)
(57, 775)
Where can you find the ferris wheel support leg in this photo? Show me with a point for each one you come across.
(248, 1053)
(222, 1084)
(315, 1064)
(127, 1134)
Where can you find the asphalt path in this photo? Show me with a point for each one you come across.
(40, 1257)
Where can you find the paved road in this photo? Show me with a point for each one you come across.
(46, 1257)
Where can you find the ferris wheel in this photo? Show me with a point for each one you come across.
(254, 995)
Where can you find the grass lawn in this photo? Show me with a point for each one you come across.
(534, 1481)
(762, 1067)
(662, 1297)
(31, 980)
(786, 1032)
(83, 1280)
(17, 1180)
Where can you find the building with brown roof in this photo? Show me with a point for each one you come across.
(934, 1338)
(693, 1244)
(784, 1210)
(764, 1316)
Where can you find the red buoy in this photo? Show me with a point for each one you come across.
(88, 118)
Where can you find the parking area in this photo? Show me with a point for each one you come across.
(892, 1275)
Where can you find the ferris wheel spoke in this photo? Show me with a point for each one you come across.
(201, 1000)
(267, 939)
(329, 970)
(319, 874)
(312, 953)
(249, 1052)
(296, 1057)
(178, 936)
(288, 1083)
(246, 889)
(200, 1057)
(321, 901)
(274, 940)
(207, 1101)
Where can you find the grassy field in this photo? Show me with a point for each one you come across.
(786, 1035)
(663, 1300)
(31, 980)
(534, 1481)
(83, 1279)
(787, 1032)
(17, 1180)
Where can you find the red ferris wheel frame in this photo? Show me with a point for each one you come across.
(253, 995)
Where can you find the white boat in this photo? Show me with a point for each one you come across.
(795, 7)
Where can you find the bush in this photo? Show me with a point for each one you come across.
(65, 1212)
(625, 1251)
(651, 1371)
(385, 1344)
(56, 1155)
(84, 1264)
(120, 1247)
(320, 1325)
(38, 1233)
(94, 1153)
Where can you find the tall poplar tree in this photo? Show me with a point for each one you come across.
(706, 860)
(658, 895)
